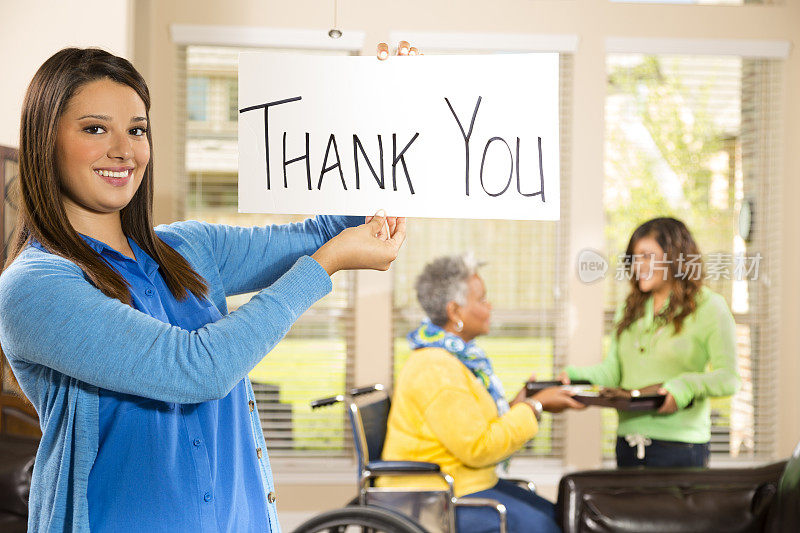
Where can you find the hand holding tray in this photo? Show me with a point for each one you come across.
(589, 394)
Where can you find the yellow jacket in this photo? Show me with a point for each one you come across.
(441, 413)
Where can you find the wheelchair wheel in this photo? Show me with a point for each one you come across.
(360, 519)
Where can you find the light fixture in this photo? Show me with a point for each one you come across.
(334, 32)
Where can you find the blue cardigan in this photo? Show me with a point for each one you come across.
(64, 339)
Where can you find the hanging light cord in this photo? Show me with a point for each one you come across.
(336, 14)
(335, 32)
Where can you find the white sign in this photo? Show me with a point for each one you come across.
(430, 136)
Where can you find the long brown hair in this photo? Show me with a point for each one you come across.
(674, 238)
(41, 213)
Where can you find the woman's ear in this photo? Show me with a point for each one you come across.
(453, 312)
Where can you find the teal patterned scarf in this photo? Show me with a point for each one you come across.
(429, 335)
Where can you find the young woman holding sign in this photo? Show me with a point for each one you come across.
(668, 332)
(119, 334)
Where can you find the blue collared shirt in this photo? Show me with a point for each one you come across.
(192, 462)
(67, 343)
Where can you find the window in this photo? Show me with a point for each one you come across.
(315, 358)
(525, 281)
(693, 137)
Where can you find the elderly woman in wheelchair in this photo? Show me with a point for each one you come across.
(448, 427)
(449, 408)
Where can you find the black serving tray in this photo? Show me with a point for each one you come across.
(642, 403)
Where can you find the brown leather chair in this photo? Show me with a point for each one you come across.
(17, 454)
(19, 440)
(763, 499)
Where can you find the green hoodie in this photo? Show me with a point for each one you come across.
(648, 353)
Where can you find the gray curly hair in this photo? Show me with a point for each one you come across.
(444, 280)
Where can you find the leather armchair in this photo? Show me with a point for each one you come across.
(763, 499)
(16, 465)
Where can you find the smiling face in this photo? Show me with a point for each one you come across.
(650, 266)
(102, 149)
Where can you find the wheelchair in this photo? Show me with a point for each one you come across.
(384, 509)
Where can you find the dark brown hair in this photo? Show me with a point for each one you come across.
(674, 238)
(41, 214)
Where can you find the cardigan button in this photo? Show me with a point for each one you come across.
(252, 405)
(258, 453)
(271, 497)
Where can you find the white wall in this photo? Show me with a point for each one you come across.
(32, 30)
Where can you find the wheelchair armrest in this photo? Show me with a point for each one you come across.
(405, 467)
(486, 502)
(376, 469)
(522, 483)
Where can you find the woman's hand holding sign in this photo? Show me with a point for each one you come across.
(372, 245)
(403, 49)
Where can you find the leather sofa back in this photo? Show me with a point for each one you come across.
(676, 500)
(785, 512)
(17, 455)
